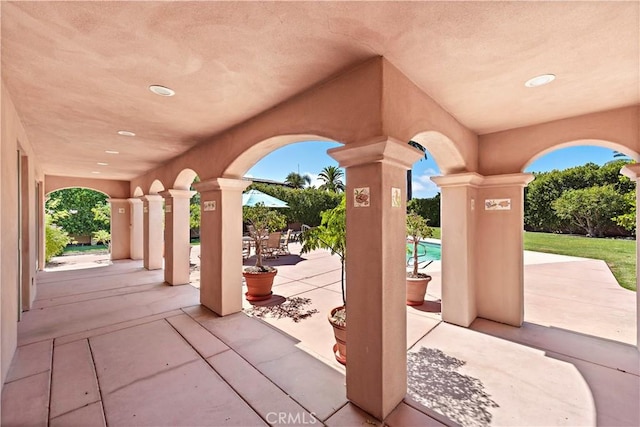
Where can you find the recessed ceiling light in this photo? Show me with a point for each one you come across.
(161, 90)
(126, 133)
(111, 152)
(540, 80)
(95, 172)
(103, 164)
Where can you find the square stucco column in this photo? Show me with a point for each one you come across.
(41, 226)
(119, 228)
(458, 225)
(136, 229)
(499, 248)
(221, 244)
(376, 175)
(152, 219)
(632, 172)
(176, 236)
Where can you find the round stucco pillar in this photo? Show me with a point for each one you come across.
(376, 175)
(177, 244)
(221, 244)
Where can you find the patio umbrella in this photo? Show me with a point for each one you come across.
(253, 197)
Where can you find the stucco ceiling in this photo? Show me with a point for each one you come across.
(79, 72)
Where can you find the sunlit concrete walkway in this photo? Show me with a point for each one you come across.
(115, 344)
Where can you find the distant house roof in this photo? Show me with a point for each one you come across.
(266, 181)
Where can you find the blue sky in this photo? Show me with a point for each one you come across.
(311, 157)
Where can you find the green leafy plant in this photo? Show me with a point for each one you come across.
(56, 239)
(331, 176)
(263, 221)
(590, 208)
(103, 236)
(330, 234)
(417, 228)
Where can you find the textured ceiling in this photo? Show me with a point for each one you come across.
(78, 72)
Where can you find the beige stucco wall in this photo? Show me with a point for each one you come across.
(14, 138)
(370, 100)
(511, 151)
(112, 188)
(410, 114)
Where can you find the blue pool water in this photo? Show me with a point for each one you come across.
(427, 251)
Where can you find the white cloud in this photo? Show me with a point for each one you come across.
(315, 182)
(248, 176)
(422, 186)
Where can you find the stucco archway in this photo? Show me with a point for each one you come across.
(444, 151)
(616, 325)
(592, 142)
(156, 187)
(252, 155)
(184, 179)
(137, 192)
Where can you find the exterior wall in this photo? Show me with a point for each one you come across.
(13, 137)
(512, 150)
(410, 114)
(345, 109)
(112, 188)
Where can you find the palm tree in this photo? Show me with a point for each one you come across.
(332, 178)
(296, 180)
(409, 174)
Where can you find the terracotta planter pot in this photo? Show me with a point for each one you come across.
(259, 285)
(416, 289)
(340, 333)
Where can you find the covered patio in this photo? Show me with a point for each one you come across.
(137, 99)
(114, 344)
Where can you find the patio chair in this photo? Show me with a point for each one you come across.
(284, 243)
(271, 246)
(246, 249)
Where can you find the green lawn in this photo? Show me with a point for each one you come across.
(619, 254)
(83, 249)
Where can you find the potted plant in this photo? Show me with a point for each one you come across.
(417, 229)
(259, 278)
(331, 234)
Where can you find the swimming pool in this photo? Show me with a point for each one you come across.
(427, 251)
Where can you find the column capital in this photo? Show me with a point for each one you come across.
(217, 184)
(631, 171)
(471, 179)
(152, 198)
(507, 180)
(117, 200)
(382, 149)
(177, 194)
(135, 200)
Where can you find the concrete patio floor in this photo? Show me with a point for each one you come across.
(113, 345)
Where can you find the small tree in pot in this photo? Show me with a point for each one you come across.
(417, 229)
(331, 234)
(259, 278)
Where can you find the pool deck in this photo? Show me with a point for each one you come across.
(113, 345)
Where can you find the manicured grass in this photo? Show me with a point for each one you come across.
(619, 254)
(84, 249)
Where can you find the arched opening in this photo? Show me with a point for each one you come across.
(579, 240)
(77, 228)
(138, 192)
(156, 187)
